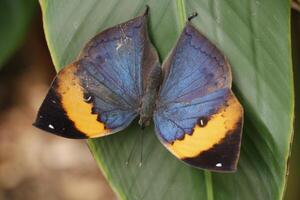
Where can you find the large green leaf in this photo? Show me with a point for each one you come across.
(15, 16)
(293, 191)
(254, 35)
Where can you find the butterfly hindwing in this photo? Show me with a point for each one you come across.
(197, 116)
(100, 93)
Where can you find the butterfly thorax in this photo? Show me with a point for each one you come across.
(150, 95)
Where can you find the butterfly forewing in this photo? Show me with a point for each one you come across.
(100, 93)
(197, 116)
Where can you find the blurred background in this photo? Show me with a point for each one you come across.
(36, 165)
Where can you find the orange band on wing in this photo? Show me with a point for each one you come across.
(77, 110)
(204, 138)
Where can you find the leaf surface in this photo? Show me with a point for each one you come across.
(254, 35)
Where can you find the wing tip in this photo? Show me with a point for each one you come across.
(69, 132)
(52, 117)
(223, 156)
(192, 162)
(217, 168)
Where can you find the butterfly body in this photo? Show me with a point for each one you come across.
(149, 99)
(118, 77)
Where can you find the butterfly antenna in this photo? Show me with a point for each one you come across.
(132, 150)
(146, 12)
(142, 145)
(192, 16)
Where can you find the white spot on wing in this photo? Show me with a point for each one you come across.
(201, 122)
(219, 165)
(51, 126)
(88, 99)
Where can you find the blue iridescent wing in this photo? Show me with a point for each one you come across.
(197, 116)
(100, 93)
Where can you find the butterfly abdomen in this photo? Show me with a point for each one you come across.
(149, 98)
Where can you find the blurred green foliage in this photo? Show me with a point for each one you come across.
(293, 191)
(15, 17)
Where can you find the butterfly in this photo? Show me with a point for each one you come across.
(118, 77)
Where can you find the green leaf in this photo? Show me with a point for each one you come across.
(254, 35)
(294, 172)
(15, 16)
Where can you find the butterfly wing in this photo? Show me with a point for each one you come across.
(100, 93)
(197, 116)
